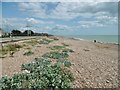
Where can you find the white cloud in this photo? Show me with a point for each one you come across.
(32, 21)
(67, 10)
(61, 27)
(33, 9)
(93, 7)
(9, 24)
(101, 13)
(100, 21)
(85, 9)
(21, 23)
(107, 19)
(89, 24)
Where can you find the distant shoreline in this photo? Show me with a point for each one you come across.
(97, 41)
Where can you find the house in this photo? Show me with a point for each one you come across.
(1, 32)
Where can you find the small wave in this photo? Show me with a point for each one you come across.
(81, 39)
(97, 41)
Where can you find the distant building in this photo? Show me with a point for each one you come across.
(1, 32)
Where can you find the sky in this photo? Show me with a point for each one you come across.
(61, 18)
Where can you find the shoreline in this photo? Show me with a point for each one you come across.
(97, 41)
(81, 39)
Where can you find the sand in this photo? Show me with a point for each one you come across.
(94, 65)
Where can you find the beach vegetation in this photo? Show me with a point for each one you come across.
(67, 50)
(61, 48)
(57, 47)
(45, 41)
(9, 48)
(43, 75)
(64, 62)
(32, 42)
(3, 52)
(28, 53)
(56, 55)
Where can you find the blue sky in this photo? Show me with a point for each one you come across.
(68, 18)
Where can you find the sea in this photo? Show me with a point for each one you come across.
(99, 38)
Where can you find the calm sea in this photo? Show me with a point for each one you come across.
(99, 38)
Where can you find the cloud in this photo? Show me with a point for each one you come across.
(68, 10)
(100, 21)
(95, 7)
(61, 27)
(85, 9)
(8, 24)
(89, 24)
(54, 29)
(86, 15)
(32, 21)
(13, 23)
(33, 9)
(107, 19)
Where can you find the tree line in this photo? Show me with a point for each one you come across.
(25, 33)
(19, 33)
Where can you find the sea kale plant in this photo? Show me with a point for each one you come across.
(61, 48)
(56, 55)
(40, 74)
(57, 47)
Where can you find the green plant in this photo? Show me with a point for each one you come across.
(52, 76)
(43, 76)
(64, 62)
(56, 55)
(17, 46)
(32, 42)
(57, 47)
(68, 50)
(62, 48)
(3, 52)
(9, 48)
(28, 53)
(45, 41)
(67, 63)
(5, 83)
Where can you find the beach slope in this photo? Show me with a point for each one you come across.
(94, 65)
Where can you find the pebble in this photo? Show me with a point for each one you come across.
(107, 81)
